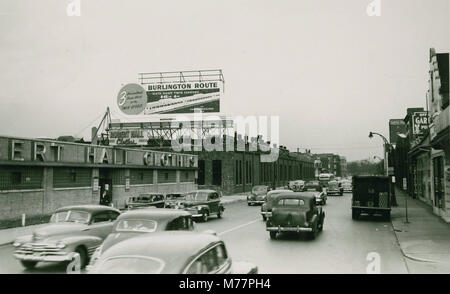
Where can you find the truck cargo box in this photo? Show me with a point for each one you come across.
(371, 194)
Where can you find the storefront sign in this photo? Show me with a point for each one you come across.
(420, 122)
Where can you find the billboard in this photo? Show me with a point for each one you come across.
(182, 92)
(396, 126)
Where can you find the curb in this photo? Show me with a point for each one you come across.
(408, 255)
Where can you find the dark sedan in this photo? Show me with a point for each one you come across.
(137, 222)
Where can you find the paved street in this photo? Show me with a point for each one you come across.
(341, 248)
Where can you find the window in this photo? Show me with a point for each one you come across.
(166, 176)
(16, 178)
(291, 201)
(210, 261)
(217, 172)
(101, 217)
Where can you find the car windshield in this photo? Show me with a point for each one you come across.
(136, 225)
(259, 189)
(130, 265)
(75, 216)
(197, 196)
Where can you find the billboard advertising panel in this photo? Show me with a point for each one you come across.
(396, 126)
(182, 92)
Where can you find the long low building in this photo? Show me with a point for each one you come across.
(39, 176)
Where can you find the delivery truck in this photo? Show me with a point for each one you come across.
(371, 195)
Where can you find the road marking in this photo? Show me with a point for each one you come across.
(238, 227)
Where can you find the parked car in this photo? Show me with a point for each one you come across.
(145, 200)
(335, 188)
(202, 204)
(257, 195)
(172, 199)
(137, 222)
(170, 253)
(295, 212)
(266, 208)
(371, 195)
(313, 186)
(72, 229)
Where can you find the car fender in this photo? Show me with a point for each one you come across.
(90, 242)
(203, 207)
(314, 220)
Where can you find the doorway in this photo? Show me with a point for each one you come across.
(106, 187)
(438, 170)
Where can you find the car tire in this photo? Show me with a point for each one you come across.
(324, 202)
(273, 235)
(28, 264)
(204, 216)
(83, 256)
(355, 214)
(249, 204)
(219, 214)
(313, 234)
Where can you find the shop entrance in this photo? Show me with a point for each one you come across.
(106, 188)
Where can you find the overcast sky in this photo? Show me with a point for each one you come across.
(331, 72)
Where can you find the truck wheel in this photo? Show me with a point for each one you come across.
(28, 264)
(273, 235)
(264, 218)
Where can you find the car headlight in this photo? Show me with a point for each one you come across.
(17, 244)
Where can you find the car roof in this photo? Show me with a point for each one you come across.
(206, 190)
(91, 208)
(280, 191)
(175, 248)
(154, 213)
(298, 195)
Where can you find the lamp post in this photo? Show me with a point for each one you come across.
(386, 147)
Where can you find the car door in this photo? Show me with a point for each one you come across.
(213, 202)
(102, 223)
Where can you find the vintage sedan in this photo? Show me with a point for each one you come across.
(313, 186)
(266, 208)
(72, 229)
(142, 221)
(257, 195)
(296, 212)
(202, 204)
(172, 199)
(347, 185)
(170, 253)
(145, 200)
(297, 186)
(335, 188)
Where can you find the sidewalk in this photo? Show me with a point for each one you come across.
(425, 240)
(9, 235)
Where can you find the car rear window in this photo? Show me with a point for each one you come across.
(130, 265)
(136, 225)
(290, 201)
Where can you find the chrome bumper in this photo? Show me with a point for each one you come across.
(256, 201)
(266, 213)
(63, 256)
(288, 229)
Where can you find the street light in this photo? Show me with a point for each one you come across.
(404, 136)
(386, 146)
